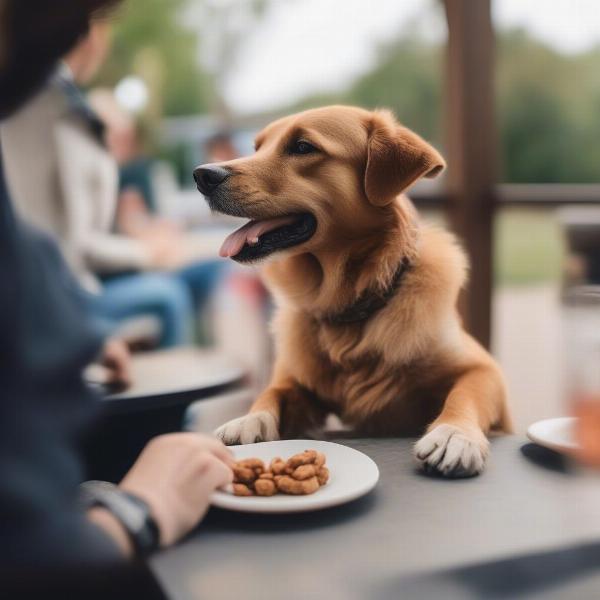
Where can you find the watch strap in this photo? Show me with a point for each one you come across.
(130, 510)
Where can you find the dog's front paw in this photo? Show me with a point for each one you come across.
(254, 427)
(452, 452)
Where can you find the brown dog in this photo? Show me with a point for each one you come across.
(366, 325)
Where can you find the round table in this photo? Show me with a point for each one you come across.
(174, 377)
(164, 384)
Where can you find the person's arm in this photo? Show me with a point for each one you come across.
(88, 183)
(174, 476)
(132, 214)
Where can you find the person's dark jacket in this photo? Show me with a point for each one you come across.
(45, 342)
(48, 548)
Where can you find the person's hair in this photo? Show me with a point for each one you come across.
(221, 137)
(36, 34)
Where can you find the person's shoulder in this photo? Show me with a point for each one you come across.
(46, 106)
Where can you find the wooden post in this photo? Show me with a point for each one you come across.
(470, 150)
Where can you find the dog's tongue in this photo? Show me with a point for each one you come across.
(250, 233)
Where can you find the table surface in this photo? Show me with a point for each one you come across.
(409, 524)
(177, 375)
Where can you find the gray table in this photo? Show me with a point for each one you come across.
(165, 383)
(410, 524)
(165, 377)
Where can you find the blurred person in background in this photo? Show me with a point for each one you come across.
(57, 542)
(71, 193)
(220, 147)
(138, 207)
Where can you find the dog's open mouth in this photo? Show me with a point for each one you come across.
(257, 239)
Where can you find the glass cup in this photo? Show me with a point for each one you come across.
(582, 358)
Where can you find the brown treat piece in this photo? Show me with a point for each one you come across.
(243, 475)
(277, 466)
(251, 463)
(304, 472)
(265, 487)
(304, 458)
(239, 489)
(287, 485)
(323, 475)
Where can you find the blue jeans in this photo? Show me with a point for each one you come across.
(201, 279)
(171, 297)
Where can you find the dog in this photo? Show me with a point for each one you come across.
(366, 325)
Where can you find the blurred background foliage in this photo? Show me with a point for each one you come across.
(152, 41)
(548, 131)
(548, 112)
(548, 103)
(407, 78)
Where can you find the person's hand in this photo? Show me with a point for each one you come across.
(176, 474)
(165, 250)
(157, 227)
(116, 358)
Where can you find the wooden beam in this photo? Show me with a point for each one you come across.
(547, 195)
(470, 150)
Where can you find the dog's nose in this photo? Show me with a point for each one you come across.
(209, 177)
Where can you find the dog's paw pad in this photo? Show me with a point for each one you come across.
(452, 452)
(254, 427)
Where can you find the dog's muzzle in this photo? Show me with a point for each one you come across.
(209, 177)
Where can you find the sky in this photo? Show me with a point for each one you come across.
(304, 46)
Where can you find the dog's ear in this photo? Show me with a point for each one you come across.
(396, 158)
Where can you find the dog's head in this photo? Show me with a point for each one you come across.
(321, 177)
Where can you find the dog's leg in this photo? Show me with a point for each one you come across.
(285, 409)
(455, 444)
(261, 424)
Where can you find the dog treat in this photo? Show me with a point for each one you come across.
(300, 475)
(265, 487)
(277, 466)
(304, 472)
(320, 460)
(323, 475)
(252, 463)
(304, 458)
(244, 475)
(289, 485)
(239, 489)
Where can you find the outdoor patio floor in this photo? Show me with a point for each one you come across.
(527, 342)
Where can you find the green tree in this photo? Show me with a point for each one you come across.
(548, 108)
(406, 78)
(547, 104)
(151, 41)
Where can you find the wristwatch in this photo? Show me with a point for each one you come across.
(130, 510)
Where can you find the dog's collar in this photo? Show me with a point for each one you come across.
(369, 302)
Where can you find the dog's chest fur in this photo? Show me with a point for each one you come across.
(391, 373)
(357, 381)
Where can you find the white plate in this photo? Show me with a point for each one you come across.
(556, 434)
(352, 474)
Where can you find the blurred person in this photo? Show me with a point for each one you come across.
(220, 148)
(52, 544)
(72, 193)
(137, 214)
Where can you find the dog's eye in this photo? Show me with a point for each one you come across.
(301, 147)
